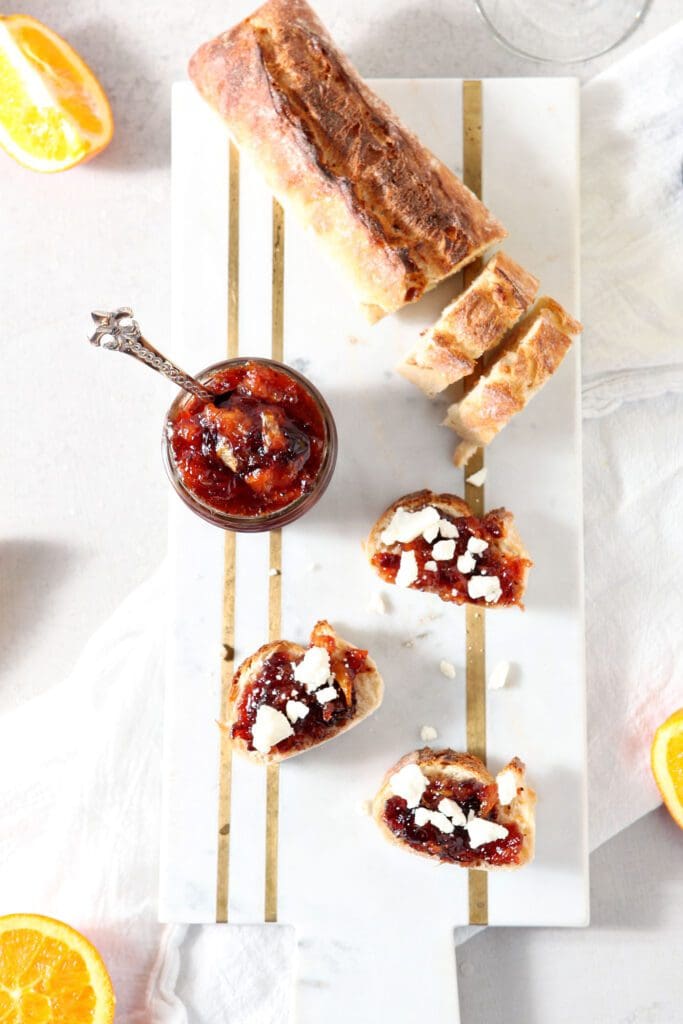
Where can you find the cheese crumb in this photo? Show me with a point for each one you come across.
(378, 604)
(314, 669)
(431, 566)
(409, 783)
(481, 831)
(447, 529)
(477, 479)
(440, 821)
(466, 563)
(431, 533)
(453, 811)
(476, 545)
(487, 587)
(447, 669)
(325, 695)
(407, 526)
(407, 570)
(499, 675)
(443, 550)
(507, 786)
(296, 709)
(269, 729)
(273, 572)
(428, 733)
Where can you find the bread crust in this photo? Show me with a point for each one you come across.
(509, 543)
(472, 324)
(436, 763)
(529, 356)
(368, 688)
(395, 218)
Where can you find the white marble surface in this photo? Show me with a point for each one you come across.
(74, 542)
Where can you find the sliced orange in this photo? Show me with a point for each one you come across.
(53, 111)
(50, 974)
(667, 764)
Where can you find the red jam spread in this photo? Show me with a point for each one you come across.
(275, 685)
(446, 580)
(454, 847)
(255, 451)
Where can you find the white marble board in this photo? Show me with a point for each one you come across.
(369, 916)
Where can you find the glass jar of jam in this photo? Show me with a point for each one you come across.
(260, 456)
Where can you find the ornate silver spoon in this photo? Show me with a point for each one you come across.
(120, 332)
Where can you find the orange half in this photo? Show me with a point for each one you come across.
(54, 113)
(50, 974)
(667, 764)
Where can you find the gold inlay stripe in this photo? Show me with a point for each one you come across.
(275, 578)
(228, 616)
(475, 658)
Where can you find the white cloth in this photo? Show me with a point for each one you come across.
(80, 767)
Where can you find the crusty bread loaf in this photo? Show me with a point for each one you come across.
(508, 543)
(529, 355)
(474, 323)
(396, 219)
(449, 764)
(368, 688)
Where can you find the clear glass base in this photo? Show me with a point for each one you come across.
(561, 31)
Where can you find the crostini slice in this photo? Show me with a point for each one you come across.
(447, 806)
(433, 542)
(286, 698)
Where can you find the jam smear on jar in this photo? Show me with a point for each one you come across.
(275, 685)
(446, 580)
(454, 847)
(256, 451)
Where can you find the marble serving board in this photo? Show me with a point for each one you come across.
(375, 924)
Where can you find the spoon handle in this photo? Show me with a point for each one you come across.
(120, 332)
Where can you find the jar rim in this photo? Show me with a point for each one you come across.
(269, 520)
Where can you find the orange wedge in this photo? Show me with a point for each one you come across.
(667, 764)
(53, 111)
(49, 974)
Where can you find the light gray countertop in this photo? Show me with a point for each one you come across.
(83, 515)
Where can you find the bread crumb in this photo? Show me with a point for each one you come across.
(428, 733)
(447, 669)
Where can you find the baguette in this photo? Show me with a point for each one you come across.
(474, 323)
(267, 678)
(395, 219)
(493, 576)
(450, 836)
(530, 355)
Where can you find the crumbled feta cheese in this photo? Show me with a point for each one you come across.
(431, 533)
(481, 830)
(325, 695)
(406, 526)
(269, 729)
(378, 604)
(273, 572)
(487, 587)
(428, 733)
(453, 811)
(447, 669)
(466, 563)
(477, 479)
(296, 709)
(443, 550)
(507, 786)
(407, 570)
(409, 783)
(440, 821)
(431, 566)
(476, 545)
(314, 669)
(447, 529)
(499, 675)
